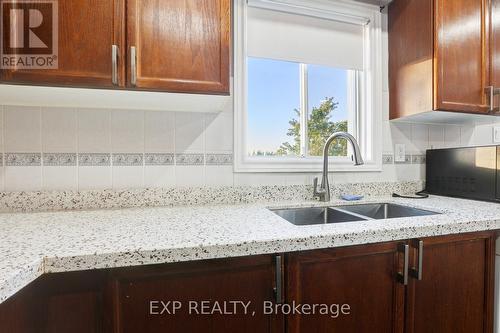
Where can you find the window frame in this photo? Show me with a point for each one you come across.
(365, 94)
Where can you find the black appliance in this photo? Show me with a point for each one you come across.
(471, 173)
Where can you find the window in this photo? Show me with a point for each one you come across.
(285, 96)
(328, 108)
(304, 70)
(273, 97)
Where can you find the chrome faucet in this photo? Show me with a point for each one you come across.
(323, 192)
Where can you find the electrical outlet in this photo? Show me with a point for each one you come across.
(400, 153)
(496, 134)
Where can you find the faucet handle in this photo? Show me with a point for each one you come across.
(316, 194)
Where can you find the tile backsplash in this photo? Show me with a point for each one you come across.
(83, 149)
(87, 149)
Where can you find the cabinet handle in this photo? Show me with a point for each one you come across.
(492, 92)
(114, 62)
(403, 277)
(417, 272)
(278, 290)
(133, 65)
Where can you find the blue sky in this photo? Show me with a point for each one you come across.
(274, 92)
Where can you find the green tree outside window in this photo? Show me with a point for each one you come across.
(319, 129)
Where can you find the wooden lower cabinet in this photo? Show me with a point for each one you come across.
(202, 291)
(457, 287)
(364, 277)
(455, 293)
(119, 300)
(363, 287)
(58, 303)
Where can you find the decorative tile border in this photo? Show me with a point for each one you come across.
(155, 159)
(23, 159)
(59, 159)
(418, 159)
(128, 159)
(94, 159)
(387, 159)
(108, 159)
(149, 159)
(407, 160)
(190, 159)
(219, 159)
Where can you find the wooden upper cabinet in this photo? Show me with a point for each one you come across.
(410, 57)
(179, 45)
(461, 55)
(364, 277)
(439, 56)
(161, 45)
(495, 47)
(455, 294)
(87, 30)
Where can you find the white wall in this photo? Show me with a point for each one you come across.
(39, 131)
(78, 131)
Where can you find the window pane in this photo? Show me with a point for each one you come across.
(273, 104)
(328, 108)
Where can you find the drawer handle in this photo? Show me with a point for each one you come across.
(403, 276)
(133, 65)
(114, 61)
(417, 272)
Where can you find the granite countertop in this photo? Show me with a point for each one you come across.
(36, 243)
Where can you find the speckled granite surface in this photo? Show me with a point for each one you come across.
(108, 199)
(36, 243)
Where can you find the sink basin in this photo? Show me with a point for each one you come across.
(386, 211)
(354, 213)
(311, 216)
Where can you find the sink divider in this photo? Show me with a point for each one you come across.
(351, 213)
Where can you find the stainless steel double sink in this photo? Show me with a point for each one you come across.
(350, 213)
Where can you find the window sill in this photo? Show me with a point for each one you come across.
(249, 166)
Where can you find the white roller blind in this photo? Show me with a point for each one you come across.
(299, 38)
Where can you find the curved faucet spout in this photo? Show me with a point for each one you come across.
(323, 193)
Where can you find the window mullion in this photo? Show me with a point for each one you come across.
(304, 110)
(353, 107)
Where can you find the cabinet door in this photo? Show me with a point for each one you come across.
(87, 31)
(411, 53)
(139, 294)
(461, 56)
(455, 294)
(364, 277)
(179, 45)
(64, 302)
(495, 48)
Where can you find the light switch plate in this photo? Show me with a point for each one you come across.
(400, 153)
(496, 134)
